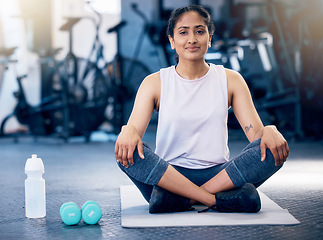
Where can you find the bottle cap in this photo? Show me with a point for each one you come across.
(34, 164)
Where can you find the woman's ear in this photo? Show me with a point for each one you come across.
(171, 40)
(210, 40)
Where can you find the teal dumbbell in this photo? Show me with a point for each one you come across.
(91, 212)
(70, 213)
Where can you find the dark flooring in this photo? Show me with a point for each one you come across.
(79, 171)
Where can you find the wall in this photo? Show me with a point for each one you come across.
(84, 31)
(13, 36)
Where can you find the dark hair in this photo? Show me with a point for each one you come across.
(178, 12)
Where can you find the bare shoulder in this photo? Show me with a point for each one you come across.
(234, 77)
(150, 88)
(152, 80)
(236, 85)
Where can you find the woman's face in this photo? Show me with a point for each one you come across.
(191, 37)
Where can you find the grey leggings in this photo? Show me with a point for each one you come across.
(247, 167)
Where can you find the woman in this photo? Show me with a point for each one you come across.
(190, 164)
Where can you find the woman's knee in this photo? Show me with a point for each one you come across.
(255, 148)
(267, 167)
(250, 167)
(270, 159)
(147, 150)
(148, 170)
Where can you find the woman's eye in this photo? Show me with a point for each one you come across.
(183, 33)
(200, 31)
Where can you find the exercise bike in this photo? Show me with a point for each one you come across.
(78, 99)
(125, 75)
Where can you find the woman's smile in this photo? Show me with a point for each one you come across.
(192, 48)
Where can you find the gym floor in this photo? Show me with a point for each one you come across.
(78, 171)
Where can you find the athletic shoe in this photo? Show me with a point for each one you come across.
(243, 199)
(163, 201)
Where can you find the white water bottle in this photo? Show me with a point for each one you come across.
(35, 197)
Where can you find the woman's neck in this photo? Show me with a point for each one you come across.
(191, 69)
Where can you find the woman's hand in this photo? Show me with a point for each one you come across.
(128, 140)
(277, 144)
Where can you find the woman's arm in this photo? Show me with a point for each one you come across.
(241, 102)
(147, 99)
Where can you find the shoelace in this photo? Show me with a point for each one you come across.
(207, 209)
(235, 204)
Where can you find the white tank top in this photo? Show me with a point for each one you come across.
(192, 121)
